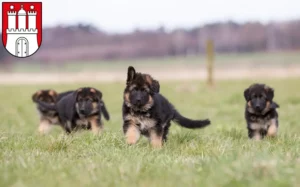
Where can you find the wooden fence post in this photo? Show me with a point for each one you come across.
(210, 62)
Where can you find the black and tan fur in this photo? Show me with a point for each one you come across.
(260, 113)
(47, 117)
(147, 112)
(81, 110)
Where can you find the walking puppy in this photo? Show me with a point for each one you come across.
(146, 112)
(80, 110)
(260, 114)
(47, 117)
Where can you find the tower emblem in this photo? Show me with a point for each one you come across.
(22, 27)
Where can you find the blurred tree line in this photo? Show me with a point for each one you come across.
(86, 42)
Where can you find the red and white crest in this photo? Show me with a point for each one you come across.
(22, 27)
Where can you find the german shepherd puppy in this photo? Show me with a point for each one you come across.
(80, 110)
(260, 114)
(47, 117)
(147, 112)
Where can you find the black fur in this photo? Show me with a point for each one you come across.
(76, 109)
(61, 95)
(145, 109)
(260, 111)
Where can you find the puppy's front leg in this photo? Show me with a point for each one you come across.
(45, 126)
(96, 125)
(68, 127)
(131, 131)
(254, 134)
(272, 129)
(156, 137)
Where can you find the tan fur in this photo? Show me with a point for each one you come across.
(53, 120)
(156, 140)
(272, 130)
(267, 108)
(144, 123)
(262, 124)
(68, 125)
(126, 97)
(257, 136)
(258, 126)
(52, 93)
(96, 128)
(77, 107)
(249, 104)
(39, 93)
(149, 104)
(82, 122)
(44, 127)
(133, 134)
(132, 87)
(148, 79)
(93, 90)
(95, 106)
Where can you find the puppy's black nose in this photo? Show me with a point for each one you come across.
(138, 101)
(257, 107)
(81, 110)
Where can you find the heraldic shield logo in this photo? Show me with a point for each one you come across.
(22, 27)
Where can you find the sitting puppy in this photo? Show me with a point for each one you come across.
(146, 112)
(80, 110)
(47, 117)
(260, 114)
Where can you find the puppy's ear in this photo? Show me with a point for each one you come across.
(155, 86)
(35, 96)
(104, 110)
(53, 94)
(130, 74)
(75, 95)
(269, 93)
(274, 105)
(98, 93)
(247, 94)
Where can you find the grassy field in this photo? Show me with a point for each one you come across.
(278, 59)
(219, 155)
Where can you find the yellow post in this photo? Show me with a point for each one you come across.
(210, 62)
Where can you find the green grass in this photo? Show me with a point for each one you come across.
(219, 155)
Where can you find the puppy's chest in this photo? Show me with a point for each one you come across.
(144, 122)
(258, 123)
(82, 122)
(52, 118)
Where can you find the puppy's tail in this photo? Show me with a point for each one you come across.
(189, 123)
(47, 105)
(104, 110)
